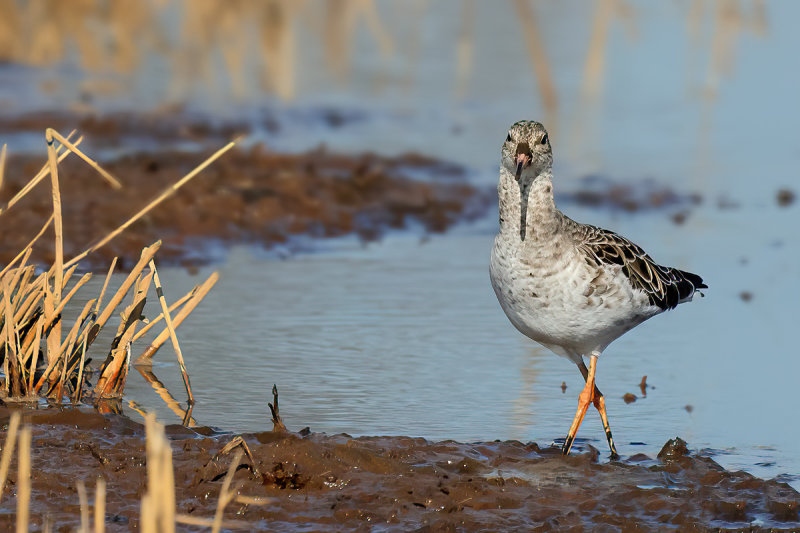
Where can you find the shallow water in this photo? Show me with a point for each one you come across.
(405, 337)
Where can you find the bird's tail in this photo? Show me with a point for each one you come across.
(688, 284)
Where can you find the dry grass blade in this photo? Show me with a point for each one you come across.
(37, 339)
(144, 259)
(149, 207)
(158, 503)
(105, 285)
(38, 177)
(225, 493)
(175, 305)
(202, 290)
(2, 164)
(172, 334)
(100, 506)
(84, 500)
(14, 369)
(51, 134)
(238, 441)
(54, 336)
(191, 520)
(24, 480)
(8, 449)
(79, 386)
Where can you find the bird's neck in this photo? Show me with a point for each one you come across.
(527, 209)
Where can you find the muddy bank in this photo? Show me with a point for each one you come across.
(248, 196)
(324, 482)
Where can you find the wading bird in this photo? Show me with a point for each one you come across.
(572, 287)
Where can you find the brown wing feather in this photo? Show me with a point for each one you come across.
(665, 287)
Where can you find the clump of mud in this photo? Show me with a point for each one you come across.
(247, 196)
(335, 482)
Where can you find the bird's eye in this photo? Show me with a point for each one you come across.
(544, 139)
(508, 138)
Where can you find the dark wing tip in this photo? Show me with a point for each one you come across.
(694, 279)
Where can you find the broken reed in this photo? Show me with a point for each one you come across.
(38, 361)
(158, 502)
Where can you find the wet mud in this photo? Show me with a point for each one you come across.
(631, 196)
(336, 482)
(247, 196)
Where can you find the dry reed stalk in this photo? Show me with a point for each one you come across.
(115, 370)
(30, 311)
(160, 198)
(144, 259)
(84, 500)
(51, 134)
(86, 277)
(191, 520)
(536, 50)
(2, 164)
(30, 245)
(37, 339)
(54, 336)
(172, 334)
(20, 270)
(67, 276)
(225, 493)
(238, 441)
(8, 449)
(105, 285)
(34, 292)
(73, 332)
(169, 400)
(158, 503)
(38, 177)
(202, 290)
(54, 315)
(23, 283)
(15, 370)
(100, 506)
(24, 480)
(175, 305)
(79, 385)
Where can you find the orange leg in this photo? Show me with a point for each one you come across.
(600, 405)
(586, 398)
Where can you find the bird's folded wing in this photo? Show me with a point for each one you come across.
(665, 287)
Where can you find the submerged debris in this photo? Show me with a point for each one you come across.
(785, 197)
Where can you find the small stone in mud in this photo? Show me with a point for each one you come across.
(785, 197)
(629, 398)
(784, 510)
(732, 510)
(673, 449)
(563, 387)
(746, 296)
(689, 408)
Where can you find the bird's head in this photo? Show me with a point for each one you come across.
(526, 150)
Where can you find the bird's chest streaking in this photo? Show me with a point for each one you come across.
(555, 297)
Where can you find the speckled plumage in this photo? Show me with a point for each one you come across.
(572, 287)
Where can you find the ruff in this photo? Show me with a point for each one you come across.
(572, 287)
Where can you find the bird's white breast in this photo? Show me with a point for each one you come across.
(552, 295)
